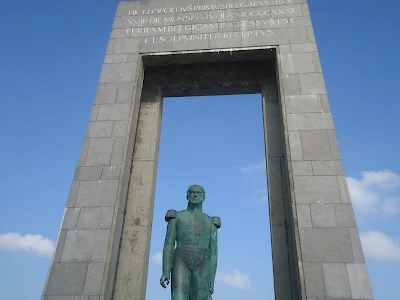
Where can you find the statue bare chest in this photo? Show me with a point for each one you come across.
(193, 229)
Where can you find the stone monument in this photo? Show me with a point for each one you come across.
(193, 263)
(163, 48)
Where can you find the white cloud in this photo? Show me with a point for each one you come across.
(369, 192)
(391, 206)
(156, 258)
(32, 243)
(235, 279)
(379, 246)
(362, 198)
(251, 168)
(384, 179)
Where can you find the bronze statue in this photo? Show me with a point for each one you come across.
(193, 263)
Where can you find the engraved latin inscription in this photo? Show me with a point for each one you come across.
(207, 22)
(209, 7)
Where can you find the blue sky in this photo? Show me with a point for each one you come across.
(51, 57)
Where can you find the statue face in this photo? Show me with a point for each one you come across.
(195, 194)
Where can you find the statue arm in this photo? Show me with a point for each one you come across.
(169, 244)
(214, 251)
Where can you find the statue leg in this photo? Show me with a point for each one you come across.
(180, 278)
(201, 278)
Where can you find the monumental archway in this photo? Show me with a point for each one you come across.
(172, 48)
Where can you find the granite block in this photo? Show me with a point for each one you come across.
(120, 128)
(303, 104)
(300, 168)
(66, 279)
(115, 112)
(115, 73)
(295, 122)
(70, 218)
(296, 151)
(333, 143)
(336, 280)
(111, 172)
(357, 247)
(291, 84)
(72, 194)
(345, 215)
(97, 193)
(99, 129)
(314, 279)
(315, 145)
(304, 215)
(359, 281)
(316, 189)
(323, 215)
(85, 246)
(326, 245)
(89, 218)
(106, 93)
(99, 152)
(328, 167)
(125, 91)
(87, 173)
(317, 121)
(303, 48)
(116, 59)
(312, 84)
(298, 63)
(128, 45)
(93, 279)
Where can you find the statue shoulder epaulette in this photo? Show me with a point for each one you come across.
(216, 221)
(171, 214)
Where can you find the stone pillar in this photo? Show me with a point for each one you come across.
(284, 260)
(131, 277)
(86, 252)
(328, 247)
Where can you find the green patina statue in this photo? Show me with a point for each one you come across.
(193, 263)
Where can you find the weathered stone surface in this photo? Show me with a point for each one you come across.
(357, 247)
(333, 167)
(314, 279)
(302, 168)
(70, 218)
(303, 104)
(345, 215)
(304, 215)
(296, 151)
(85, 246)
(93, 279)
(316, 189)
(96, 193)
(100, 129)
(336, 280)
(87, 173)
(67, 279)
(89, 218)
(359, 281)
(99, 152)
(330, 245)
(315, 145)
(323, 215)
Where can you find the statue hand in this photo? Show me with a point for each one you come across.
(211, 290)
(164, 281)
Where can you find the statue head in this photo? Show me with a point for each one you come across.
(195, 194)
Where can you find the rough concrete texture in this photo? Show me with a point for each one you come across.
(317, 252)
